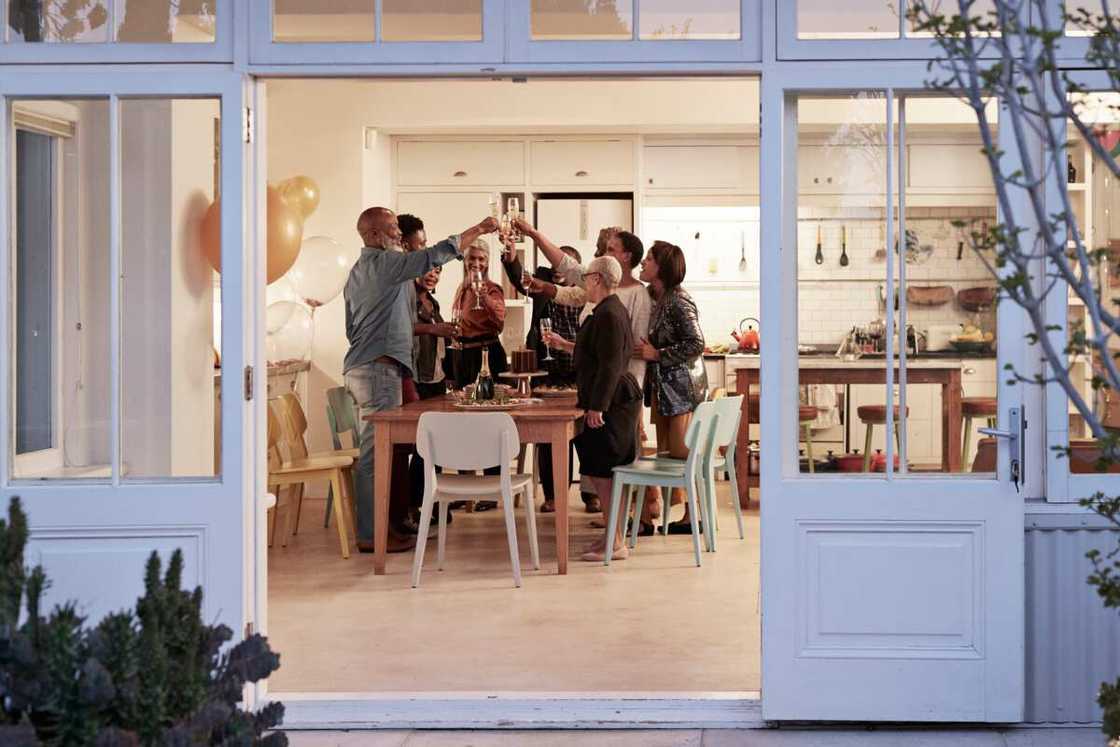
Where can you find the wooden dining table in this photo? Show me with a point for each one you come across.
(550, 420)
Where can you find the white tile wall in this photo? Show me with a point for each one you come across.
(832, 299)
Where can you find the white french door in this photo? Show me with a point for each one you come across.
(892, 595)
(132, 431)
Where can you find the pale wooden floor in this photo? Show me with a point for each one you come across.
(677, 627)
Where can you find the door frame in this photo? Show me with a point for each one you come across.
(780, 464)
(210, 512)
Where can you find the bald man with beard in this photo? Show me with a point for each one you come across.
(379, 330)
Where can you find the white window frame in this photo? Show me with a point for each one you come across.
(220, 50)
(747, 48)
(1062, 485)
(264, 51)
(35, 462)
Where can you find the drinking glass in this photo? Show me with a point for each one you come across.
(455, 318)
(546, 327)
(478, 287)
(526, 280)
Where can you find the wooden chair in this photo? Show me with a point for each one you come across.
(297, 471)
(342, 417)
(296, 436)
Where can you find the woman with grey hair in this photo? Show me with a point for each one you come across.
(607, 391)
(478, 327)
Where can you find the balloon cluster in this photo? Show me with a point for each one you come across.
(317, 267)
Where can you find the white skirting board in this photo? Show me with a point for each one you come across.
(741, 710)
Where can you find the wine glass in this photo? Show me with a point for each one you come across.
(477, 286)
(546, 328)
(455, 319)
(526, 279)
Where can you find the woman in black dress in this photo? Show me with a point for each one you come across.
(608, 392)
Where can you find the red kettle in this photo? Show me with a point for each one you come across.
(748, 340)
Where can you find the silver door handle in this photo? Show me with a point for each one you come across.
(1016, 442)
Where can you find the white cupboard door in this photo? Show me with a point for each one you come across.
(732, 168)
(895, 595)
(123, 436)
(581, 163)
(460, 163)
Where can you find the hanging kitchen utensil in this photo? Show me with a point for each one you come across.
(960, 250)
(742, 251)
(843, 246)
(819, 259)
(929, 295)
(977, 299)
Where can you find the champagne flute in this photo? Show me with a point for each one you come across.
(455, 339)
(526, 279)
(477, 286)
(546, 328)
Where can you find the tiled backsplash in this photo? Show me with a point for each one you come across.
(832, 299)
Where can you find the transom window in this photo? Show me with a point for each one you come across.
(112, 21)
(315, 21)
(650, 20)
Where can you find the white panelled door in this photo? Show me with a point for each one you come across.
(889, 596)
(125, 427)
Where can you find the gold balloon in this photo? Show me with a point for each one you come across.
(285, 233)
(301, 193)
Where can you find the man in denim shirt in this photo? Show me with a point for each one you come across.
(379, 329)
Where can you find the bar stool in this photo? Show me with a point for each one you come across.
(976, 407)
(806, 416)
(871, 416)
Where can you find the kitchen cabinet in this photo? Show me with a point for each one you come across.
(581, 163)
(732, 168)
(422, 163)
(948, 167)
(841, 169)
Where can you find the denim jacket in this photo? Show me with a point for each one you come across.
(674, 329)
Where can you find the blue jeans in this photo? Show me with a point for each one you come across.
(376, 386)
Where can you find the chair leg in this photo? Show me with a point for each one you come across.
(531, 523)
(809, 448)
(349, 499)
(867, 449)
(635, 495)
(300, 490)
(706, 495)
(443, 507)
(612, 520)
(666, 504)
(327, 510)
(270, 523)
(340, 515)
(520, 470)
(693, 507)
(286, 528)
(630, 537)
(511, 534)
(734, 480)
(425, 523)
(967, 443)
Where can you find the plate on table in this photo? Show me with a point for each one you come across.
(491, 406)
(554, 391)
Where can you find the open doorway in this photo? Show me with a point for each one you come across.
(666, 159)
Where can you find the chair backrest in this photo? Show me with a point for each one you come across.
(297, 425)
(468, 440)
(698, 435)
(729, 411)
(274, 436)
(342, 415)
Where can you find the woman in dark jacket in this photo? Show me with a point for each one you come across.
(674, 350)
(607, 391)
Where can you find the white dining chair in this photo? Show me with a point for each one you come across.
(466, 442)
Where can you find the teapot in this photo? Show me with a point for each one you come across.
(748, 340)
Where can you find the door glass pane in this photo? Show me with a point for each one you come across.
(702, 19)
(582, 19)
(949, 292)
(322, 21)
(841, 270)
(852, 19)
(163, 21)
(431, 20)
(1082, 16)
(169, 383)
(981, 10)
(58, 20)
(1094, 199)
(61, 306)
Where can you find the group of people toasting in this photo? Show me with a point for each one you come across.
(618, 339)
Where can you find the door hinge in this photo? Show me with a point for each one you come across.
(247, 125)
(248, 630)
(248, 382)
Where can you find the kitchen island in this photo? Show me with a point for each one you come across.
(945, 372)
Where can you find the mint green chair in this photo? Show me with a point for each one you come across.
(342, 416)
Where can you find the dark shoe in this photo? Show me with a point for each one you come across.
(484, 506)
(684, 527)
(592, 505)
(644, 529)
(396, 544)
(548, 507)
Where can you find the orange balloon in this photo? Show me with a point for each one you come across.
(285, 233)
(301, 193)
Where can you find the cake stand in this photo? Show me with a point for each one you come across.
(524, 380)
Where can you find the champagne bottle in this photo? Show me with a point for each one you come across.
(484, 384)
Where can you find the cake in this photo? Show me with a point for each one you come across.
(523, 361)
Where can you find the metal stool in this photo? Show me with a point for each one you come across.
(806, 416)
(976, 407)
(871, 416)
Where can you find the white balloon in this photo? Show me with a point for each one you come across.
(289, 332)
(320, 271)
